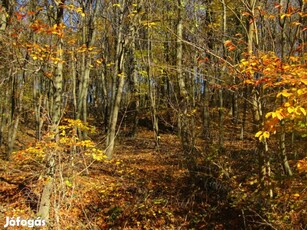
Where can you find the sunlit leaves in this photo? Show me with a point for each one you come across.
(284, 15)
(262, 135)
(85, 49)
(230, 46)
(41, 52)
(97, 154)
(56, 29)
(284, 93)
(302, 165)
(278, 113)
(304, 81)
(149, 24)
(288, 79)
(40, 27)
(44, 53)
(75, 8)
(68, 183)
(68, 142)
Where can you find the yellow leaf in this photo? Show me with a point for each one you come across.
(303, 111)
(290, 109)
(68, 183)
(284, 94)
(287, 104)
(83, 14)
(268, 115)
(300, 92)
(262, 138)
(296, 23)
(266, 134)
(279, 115)
(244, 62)
(79, 9)
(302, 165)
(258, 134)
(285, 15)
(304, 81)
(97, 157)
(248, 81)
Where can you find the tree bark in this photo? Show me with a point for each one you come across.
(45, 201)
(89, 31)
(120, 75)
(282, 140)
(183, 119)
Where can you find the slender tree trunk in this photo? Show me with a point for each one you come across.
(235, 106)
(282, 140)
(118, 73)
(134, 86)
(88, 39)
(5, 13)
(206, 113)
(183, 122)
(2, 123)
(263, 154)
(16, 104)
(38, 100)
(243, 125)
(220, 90)
(114, 117)
(221, 120)
(45, 201)
(152, 90)
(106, 100)
(155, 124)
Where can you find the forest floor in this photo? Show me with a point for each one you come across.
(148, 188)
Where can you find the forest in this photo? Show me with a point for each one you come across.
(161, 114)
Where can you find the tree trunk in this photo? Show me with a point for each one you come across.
(113, 118)
(118, 73)
(88, 39)
(282, 139)
(264, 160)
(243, 125)
(5, 13)
(206, 113)
(45, 201)
(183, 118)
(16, 106)
(220, 90)
(134, 86)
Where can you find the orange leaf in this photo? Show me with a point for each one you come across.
(228, 43)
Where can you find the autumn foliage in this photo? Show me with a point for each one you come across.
(154, 114)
